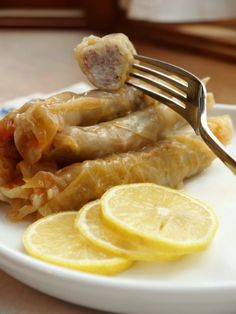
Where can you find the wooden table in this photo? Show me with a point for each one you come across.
(42, 61)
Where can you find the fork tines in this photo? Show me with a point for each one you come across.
(181, 91)
(170, 85)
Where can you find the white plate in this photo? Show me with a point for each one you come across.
(202, 283)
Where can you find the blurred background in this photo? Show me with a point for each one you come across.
(37, 39)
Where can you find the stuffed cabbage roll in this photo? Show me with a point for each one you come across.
(34, 128)
(131, 132)
(106, 61)
(128, 133)
(65, 144)
(168, 162)
(7, 124)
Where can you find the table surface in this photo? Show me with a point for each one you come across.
(43, 61)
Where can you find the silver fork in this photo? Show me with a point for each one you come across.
(189, 99)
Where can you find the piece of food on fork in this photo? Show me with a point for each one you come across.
(106, 61)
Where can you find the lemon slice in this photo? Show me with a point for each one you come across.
(55, 240)
(90, 224)
(159, 217)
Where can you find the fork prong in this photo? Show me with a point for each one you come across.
(171, 91)
(170, 79)
(183, 74)
(160, 97)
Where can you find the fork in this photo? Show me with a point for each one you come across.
(185, 94)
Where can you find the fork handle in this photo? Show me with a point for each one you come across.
(216, 146)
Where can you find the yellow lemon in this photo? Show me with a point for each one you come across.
(55, 240)
(90, 224)
(160, 218)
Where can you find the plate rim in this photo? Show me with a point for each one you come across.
(13, 256)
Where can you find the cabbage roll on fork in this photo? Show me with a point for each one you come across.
(106, 61)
